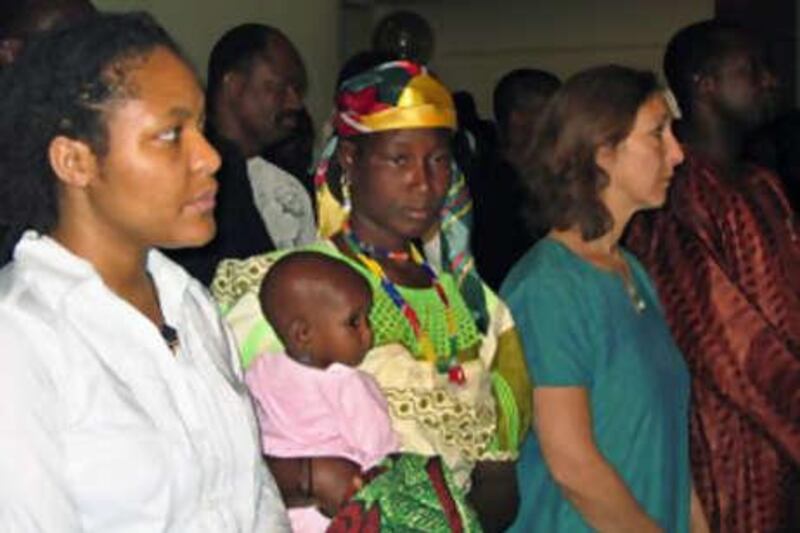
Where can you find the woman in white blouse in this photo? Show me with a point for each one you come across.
(121, 401)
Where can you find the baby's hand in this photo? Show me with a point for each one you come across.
(358, 482)
(335, 480)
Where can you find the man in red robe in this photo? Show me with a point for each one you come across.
(725, 256)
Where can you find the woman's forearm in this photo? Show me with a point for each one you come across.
(698, 522)
(563, 423)
(598, 493)
(291, 475)
(324, 482)
(494, 494)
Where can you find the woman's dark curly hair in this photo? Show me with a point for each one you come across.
(594, 108)
(62, 84)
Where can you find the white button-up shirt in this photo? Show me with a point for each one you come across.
(102, 427)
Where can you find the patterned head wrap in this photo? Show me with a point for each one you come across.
(403, 95)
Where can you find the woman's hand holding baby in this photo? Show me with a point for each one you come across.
(326, 482)
(333, 482)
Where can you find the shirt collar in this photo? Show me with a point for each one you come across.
(57, 272)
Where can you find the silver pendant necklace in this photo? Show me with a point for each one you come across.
(636, 299)
(639, 305)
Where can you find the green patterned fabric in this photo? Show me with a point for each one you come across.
(407, 493)
(235, 288)
(390, 325)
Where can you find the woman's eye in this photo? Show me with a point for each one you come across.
(660, 131)
(171, 135)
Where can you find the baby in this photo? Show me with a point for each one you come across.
(311, 400)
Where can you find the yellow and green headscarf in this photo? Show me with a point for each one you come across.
(403, 95)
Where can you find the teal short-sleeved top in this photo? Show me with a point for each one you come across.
(579, 328)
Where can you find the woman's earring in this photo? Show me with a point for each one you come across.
(346, 203)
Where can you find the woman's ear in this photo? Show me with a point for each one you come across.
(346, 155)
(73, 161)
(605, 157)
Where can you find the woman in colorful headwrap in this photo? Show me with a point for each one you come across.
(464, 394)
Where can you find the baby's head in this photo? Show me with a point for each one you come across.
(318, 306)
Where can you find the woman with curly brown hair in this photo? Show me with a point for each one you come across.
(611, 391)
(122, 406)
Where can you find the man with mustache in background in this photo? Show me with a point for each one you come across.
(256, 85)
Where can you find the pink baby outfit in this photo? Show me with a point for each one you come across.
(309, 412)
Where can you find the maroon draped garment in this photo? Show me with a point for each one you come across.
(725, 257)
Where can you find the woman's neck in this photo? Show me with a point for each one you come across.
(369, 232)
(122, 266)
(620, 209)
(405, 273)
(603, 252)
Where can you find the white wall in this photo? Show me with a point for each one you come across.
(356, 33)
(313, 26)
(477, 41)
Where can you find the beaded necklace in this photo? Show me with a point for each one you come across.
(368, 254)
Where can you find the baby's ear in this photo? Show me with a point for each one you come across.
(299, 334)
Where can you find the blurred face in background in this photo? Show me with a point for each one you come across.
(268, 98)
(742, 88)
(31, 19)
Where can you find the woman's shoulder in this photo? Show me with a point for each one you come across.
(546, 262)
(30, 346)
(236, 278)
(235, 289)
(32, 288)
(20, 303)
